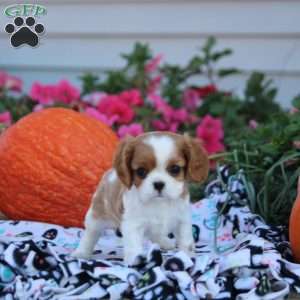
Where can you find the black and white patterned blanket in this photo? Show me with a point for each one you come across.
(237, 257)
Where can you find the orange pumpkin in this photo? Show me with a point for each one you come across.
(50, 164)
(294, 230)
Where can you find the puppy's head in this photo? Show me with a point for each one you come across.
(159, 164)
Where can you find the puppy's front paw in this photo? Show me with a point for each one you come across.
(130, 257)
(81, 254)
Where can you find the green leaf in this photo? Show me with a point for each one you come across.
(195, 64)
(210, 43)
(140, 54)
(89, 83)
(227, 72)
(116, 81)
(219, 54)
(296, 102)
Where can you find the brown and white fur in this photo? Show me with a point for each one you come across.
(146, 193)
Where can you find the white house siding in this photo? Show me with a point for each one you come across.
(90, 35)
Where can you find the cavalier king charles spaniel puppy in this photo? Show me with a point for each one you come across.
(146, 194)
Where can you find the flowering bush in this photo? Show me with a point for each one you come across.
(9, 82)
(63, 92)
(210, 131)
(149, 94)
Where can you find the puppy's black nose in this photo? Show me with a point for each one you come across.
(159, 185)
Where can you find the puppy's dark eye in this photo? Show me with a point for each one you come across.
(174, 170)
(141, 172)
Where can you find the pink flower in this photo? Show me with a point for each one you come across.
(296, 144)
(5, 118)
(132, 97)
(213, 146)
(154, 84)
(66, 92)
(173, 126)
(253, 124)
(168, 112)
(294, 110)
(204, 91)
(112, 106)
(3, 78)
(172, 118)
(180, 115)
(48, 94)
(94, 98)
(134, 129)
(194, 119)
(44, 94)
(161, 125)
(94, 113)
(152, 65)
(9, 82)
(14, 84)
(160, 104)
(191, 99)
(210, 130)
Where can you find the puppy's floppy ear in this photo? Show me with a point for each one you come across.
(197, 159)
(122, 160)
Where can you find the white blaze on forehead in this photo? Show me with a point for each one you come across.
(163, 146)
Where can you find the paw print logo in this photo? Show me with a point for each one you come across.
(24, 31)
